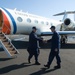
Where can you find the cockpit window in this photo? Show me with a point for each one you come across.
(19, 19)
(29, 20)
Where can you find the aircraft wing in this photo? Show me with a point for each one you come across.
(60, 33)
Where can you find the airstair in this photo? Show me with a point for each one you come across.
(7, 45)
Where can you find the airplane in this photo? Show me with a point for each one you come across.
(15, 22)
(19, 22)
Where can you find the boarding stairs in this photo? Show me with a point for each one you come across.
(7, 45)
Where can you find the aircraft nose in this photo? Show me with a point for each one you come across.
(5, 23)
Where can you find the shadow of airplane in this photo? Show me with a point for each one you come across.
(43, 71)
(13, 67)
(5, 59)
(24, 45)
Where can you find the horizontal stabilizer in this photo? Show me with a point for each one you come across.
(62, 13)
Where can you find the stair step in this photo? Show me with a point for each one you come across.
(10, 50)
(13, 52)
(1, 34)
(8, 46)
(2, 37)
(6, 43)
(4, 40)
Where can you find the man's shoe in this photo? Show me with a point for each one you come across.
(29, 61)
(57, 67)
(37, 63)
(47, 66)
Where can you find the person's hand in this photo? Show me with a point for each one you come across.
(45, 41)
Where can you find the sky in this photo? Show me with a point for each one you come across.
(45, 8)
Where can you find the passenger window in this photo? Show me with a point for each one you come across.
(42, 22)
(47, 23)
(36, 21)
(19, 19)
(29, 20)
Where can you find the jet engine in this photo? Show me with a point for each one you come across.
(69, 24)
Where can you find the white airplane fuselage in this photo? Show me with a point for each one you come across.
(18, 22)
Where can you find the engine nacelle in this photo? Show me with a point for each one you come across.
(69, 24)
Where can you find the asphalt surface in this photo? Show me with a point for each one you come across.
(20, 65)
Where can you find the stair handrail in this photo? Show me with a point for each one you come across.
(10, 42)
(8, 38)
(5, 48)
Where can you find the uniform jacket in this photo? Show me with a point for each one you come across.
(34, 41)
(55, 41)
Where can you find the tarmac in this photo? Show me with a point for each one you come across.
(20, 65)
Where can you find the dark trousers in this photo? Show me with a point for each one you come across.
(51, 57)
(34, 53)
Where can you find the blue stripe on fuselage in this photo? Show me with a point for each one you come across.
(13, 21)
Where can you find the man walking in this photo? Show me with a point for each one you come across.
(34, 46)
(55, 45)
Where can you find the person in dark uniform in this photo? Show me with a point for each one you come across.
(33, 47)
(55, 45)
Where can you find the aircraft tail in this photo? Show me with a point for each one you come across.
(62, 13)
(65, 14)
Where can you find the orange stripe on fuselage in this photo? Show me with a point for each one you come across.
(6, 24)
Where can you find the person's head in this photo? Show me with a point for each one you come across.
(52, 28)
(34, 29)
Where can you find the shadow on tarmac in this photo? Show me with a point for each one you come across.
(24, 45)
(5, 59)
(13, 67)
(43, 71)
